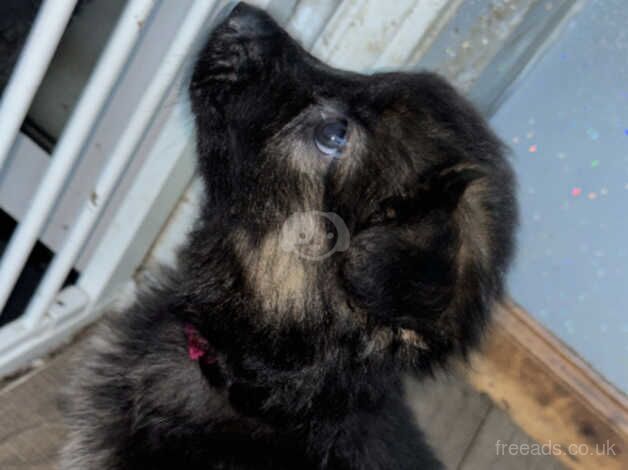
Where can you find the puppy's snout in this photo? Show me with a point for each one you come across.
(249, 22)
(244, 45)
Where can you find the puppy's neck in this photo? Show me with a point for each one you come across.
(255, 281)
(280, 281)
(286, 337)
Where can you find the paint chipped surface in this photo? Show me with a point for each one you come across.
(571, 157)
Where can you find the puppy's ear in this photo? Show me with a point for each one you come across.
(428, 283)
(446, 186)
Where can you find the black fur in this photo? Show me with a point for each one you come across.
(310, 351)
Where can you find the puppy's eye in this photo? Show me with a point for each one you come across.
(331, 137)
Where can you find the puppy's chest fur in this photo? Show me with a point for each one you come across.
(168, 410)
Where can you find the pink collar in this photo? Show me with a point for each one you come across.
(199, 348)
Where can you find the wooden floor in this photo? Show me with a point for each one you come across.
(462, 425)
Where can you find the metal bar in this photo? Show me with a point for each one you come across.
(149, 202)
(42, 42)
(72, 141)
(541, 25)
(309, 19)
(20, 345)
(411, 29)
(468, 42)
(194, 23)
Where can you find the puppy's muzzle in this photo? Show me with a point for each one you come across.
(241, 48)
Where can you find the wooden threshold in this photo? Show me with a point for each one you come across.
(555, 396)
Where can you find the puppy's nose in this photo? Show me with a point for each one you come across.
(250, 22)
(224, 12)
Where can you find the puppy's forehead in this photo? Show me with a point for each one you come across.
(382, 113)
(378, 101)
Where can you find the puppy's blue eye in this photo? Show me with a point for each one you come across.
(331, 137)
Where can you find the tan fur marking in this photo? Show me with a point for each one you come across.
(473, 219)
(379, 341)
(278, 277)
(412, 338)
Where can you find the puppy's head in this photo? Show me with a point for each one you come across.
(379, 204)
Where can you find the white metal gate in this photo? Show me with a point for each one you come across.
(52, 314)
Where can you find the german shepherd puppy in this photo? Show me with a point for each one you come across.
(354, 228)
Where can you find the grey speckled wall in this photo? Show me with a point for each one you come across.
(567, 123)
